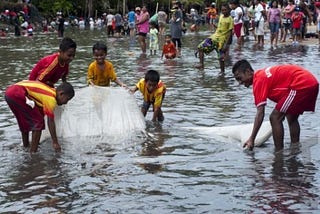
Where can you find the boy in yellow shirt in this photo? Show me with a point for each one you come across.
(101, 72)
(153, 91)
(219, 41)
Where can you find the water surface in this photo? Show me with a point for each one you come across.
(171, 169)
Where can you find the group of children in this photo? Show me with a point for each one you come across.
(169, 50)
(292, 87)
(31, 100)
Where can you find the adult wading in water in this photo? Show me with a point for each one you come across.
(143, 27)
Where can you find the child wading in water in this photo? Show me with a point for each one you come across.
(56, 66)
(153, 43)
(153, 91)
(169, 50)
(219, 41)
(30, 101)
(101, 72)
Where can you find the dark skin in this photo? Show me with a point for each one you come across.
(100, 56)
(225, 12)
(36, 135)
(157, 112)
(276, 118)
(65, 57)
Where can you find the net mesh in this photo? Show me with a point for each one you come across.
(99, 112)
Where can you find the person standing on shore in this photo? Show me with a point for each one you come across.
(274, 19)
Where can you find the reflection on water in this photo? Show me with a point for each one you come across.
(290, 186)
(170, 169)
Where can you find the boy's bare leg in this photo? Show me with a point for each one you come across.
(276, 119)
(221, 62)
(144, 112)
(25, 139)
(201, 59)
(294, 128)
(178, 52)
(276, 39)
(160, 115)
(35, 141)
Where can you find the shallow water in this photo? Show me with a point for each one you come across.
(171, 169)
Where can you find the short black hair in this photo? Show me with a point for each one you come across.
(100, 46)
(226, 5)
(152, 75)
(241, 66)
(66, 88)
(66, 44)
(235, 2)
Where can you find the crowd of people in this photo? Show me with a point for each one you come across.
(284, 20)
(292, 87)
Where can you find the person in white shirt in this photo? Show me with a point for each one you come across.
(259, 14)
(110, 23)
(238, 23)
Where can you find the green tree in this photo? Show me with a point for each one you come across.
(63, 5)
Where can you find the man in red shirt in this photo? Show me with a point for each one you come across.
(53, 67)
(292, 87)
(30, 101)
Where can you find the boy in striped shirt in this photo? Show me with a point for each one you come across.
(30, 101)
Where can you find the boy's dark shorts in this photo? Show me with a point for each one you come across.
(142, 34)
(146, 105)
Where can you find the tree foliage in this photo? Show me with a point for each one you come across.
(87, 8)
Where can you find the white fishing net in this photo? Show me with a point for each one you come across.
(238, 132)
(99, 112)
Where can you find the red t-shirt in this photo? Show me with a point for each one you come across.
(169, 50)
(48, 69)
(272, 82)
(297, 20)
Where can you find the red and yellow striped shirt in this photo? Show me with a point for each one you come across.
(43, 95)
(48, 69)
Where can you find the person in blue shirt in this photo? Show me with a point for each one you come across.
(131, 21)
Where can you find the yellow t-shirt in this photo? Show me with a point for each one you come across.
(155, 96)
(225, 26)
(101, 77)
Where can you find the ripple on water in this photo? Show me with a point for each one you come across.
(172, 169)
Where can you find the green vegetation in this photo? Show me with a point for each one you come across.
(93, 8)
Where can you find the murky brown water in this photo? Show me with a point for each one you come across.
(173, 170)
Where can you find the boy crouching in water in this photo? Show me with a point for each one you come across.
(30, 101)
(153, 91)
